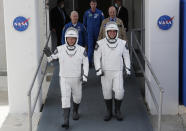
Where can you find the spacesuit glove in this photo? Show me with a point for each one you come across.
(99, 72)
(128, 71)
(47, 51)
(49, 58)
(84, 78)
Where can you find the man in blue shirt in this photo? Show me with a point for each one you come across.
(82, 40)
(92, 20)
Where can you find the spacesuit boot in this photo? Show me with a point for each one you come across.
(108, 115)
(66, 118)
(75, 115)
(117, 110)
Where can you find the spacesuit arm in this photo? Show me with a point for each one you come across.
(85, 66)
(97, 60)
(126, 57)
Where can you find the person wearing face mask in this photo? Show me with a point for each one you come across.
(58, 18)
(112, 17)
(82, 40)
(73, 61)
(122, 13)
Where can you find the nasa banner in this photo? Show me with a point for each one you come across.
(21, 23)
(165, 22)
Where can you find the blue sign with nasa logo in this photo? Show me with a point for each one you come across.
(21, 23)
(165, 22)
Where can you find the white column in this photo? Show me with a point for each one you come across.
(23, 51)
(162, 49)
(3, 77)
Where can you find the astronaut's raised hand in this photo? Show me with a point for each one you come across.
(47, 51)
(99, 72)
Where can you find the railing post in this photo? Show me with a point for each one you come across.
(29, 113)
(131, 45)
(160, 105)
(160, 110)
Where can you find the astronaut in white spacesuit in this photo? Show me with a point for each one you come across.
(109, 57)
(71, 58)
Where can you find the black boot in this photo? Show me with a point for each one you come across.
(66, 118)
(75, 115)
(117, 110)
(108, 115)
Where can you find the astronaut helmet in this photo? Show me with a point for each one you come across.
(70, 34)
(111, 38)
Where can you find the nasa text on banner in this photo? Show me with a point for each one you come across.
(21, 23)
(165, 22)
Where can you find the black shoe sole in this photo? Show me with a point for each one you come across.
(75, 118)
(65, 126)
(108, 119)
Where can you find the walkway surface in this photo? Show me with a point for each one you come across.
(92, 108)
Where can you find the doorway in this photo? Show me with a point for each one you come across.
(102, 5)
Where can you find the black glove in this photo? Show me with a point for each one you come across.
(47, 51)
(84, 83)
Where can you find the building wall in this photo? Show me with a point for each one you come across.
(162, 50)
(3, 69)
(23, 51)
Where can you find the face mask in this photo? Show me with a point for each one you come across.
(62, 6)
(116, 5)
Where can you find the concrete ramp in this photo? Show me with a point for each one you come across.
(92, 108)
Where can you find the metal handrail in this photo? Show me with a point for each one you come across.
(161, 90)
(31, 110)
(136, 29)
(3, 73)
(148, 63)
(41, 58)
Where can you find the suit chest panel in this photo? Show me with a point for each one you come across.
(67, 59)
(111, 53)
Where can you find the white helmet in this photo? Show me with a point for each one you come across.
(111, 26)
(71, 32)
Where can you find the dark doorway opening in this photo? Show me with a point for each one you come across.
(101, 4)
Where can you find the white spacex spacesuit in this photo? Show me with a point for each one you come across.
(109, 55)
(73, 61)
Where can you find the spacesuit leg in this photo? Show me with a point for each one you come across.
(66, 112)
(107, 94)
(77, 95)
(106, 82)
(65, 98)
(119, 94)
(65, 92)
